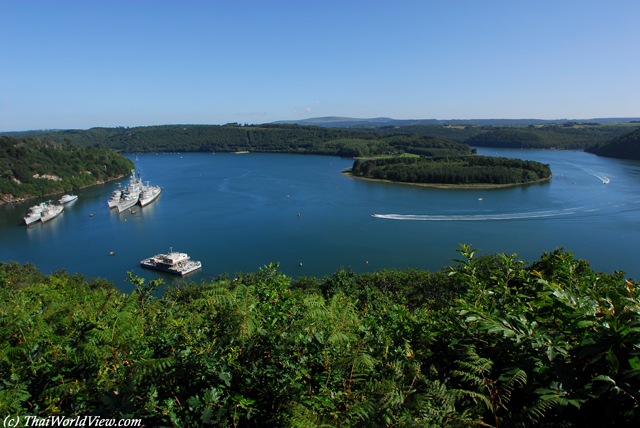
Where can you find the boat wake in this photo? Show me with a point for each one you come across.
(601, 176)
(505, 216)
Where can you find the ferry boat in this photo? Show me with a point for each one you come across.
(51, 211)
(35, 212)
(174, 262)
(67, 198)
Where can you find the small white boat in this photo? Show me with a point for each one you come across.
(67, 198)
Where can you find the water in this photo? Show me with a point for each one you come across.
(241, 212)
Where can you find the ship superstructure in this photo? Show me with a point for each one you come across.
(51, 211)
(174, 262)
(35, 213)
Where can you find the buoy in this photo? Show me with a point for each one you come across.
(133, 212)
(367, 261)
(287, 196)
(298, 215)
(336, 187)
(125, 219)
(90, 215)
(112, 253)
(300, 264)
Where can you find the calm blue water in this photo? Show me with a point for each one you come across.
(240, 212)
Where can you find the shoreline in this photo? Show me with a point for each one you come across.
(27, 197)
(347, 172)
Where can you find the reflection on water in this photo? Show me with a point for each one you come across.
(238, 213)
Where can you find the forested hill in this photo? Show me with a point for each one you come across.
(30, 167)
(466, 170)
(570, 135)
(255, 138)
(624, 147)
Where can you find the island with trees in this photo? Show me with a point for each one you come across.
(461, 171)
(33, 167)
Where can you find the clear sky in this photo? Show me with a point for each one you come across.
(81, 64)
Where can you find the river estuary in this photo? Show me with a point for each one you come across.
(240, 212)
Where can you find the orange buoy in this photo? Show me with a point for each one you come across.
(367, 261)
(298, 215)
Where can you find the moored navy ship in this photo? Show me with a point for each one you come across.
(50, 211)
(149, 194)
(35, 213)
(115, 197)
(131, 194)
(174, 262)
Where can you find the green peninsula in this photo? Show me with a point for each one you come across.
(33, 167)
(463, 171)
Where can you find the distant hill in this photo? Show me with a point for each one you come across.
(267, 138)
(626, 146)
(343, 122)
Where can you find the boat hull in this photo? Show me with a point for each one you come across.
(187, 269)
(66, 199)
(125, 205)
(29, 220)
(147, 201)
(53, 214)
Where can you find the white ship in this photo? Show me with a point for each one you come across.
(51, 211)
(129, 198)
(35, 212)
(131, 194)
(149, 194)
(115, 197)
(67, 198)
(178, 263)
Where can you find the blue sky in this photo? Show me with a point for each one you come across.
(81, 64)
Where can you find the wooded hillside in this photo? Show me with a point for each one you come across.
(38, 167)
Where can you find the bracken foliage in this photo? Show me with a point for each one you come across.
(490, 341)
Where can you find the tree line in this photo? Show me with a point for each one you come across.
(574, 137)
(490, 341)
(266, 138)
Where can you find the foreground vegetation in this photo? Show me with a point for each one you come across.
(490, 341)
(457, 170)
(24, 162)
